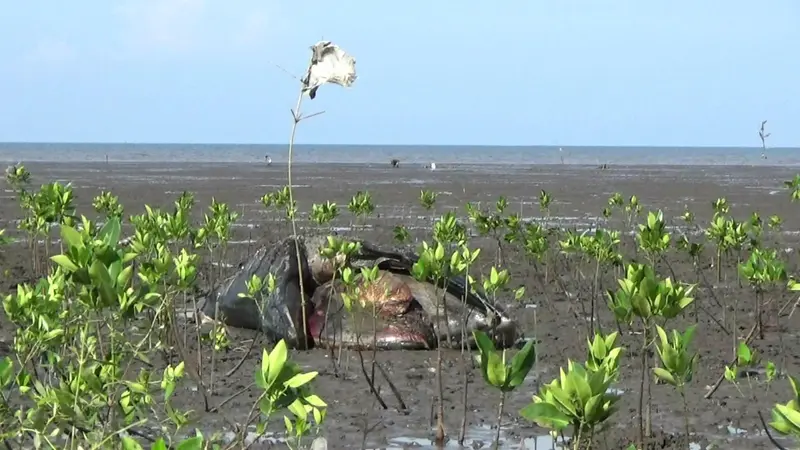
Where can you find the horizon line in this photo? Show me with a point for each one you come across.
(390, 145)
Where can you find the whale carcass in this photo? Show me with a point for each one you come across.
(394, 312)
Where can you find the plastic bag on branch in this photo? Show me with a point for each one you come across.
(329, 64)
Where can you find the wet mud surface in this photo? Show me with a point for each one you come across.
(549, 312)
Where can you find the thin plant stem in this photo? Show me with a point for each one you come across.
(685, 415)
(296, 120)
(499, 419)
(641, 387)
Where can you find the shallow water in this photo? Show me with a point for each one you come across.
(481, 437)
(476, 156)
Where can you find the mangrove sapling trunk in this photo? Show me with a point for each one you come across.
(444, 313)
(499, 419)
(370, 381)
(644, 380)
(196, 374)
(685, 415)
(334, 362)
(759, 307)
(396, 392)
(374, 340)
(466, 359)
(595, 284)
(296, 118)
(440, 434)
(214, 331)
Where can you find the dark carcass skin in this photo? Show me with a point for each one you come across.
(397, 312)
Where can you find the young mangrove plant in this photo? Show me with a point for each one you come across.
(677, 365)
(490, 224)
(361, 207)
(644, 296)
(762, 269)
(108, 205)
(461, 261)
(400, 234)
(433, 264)
(794, 188)
(328, 64)
(501, 375)
(786, 417)
(653, 237)
(427, 199)
(580, 397)
(324, 213)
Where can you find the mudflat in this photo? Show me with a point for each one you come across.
(549, 311)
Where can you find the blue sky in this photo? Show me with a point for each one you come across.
(513, 72)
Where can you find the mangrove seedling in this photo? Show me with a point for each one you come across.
(720, 206)
(603, 354)
(746, 360)
(794, 187)
(18, 177)
(361, 207)
(644, 296)
(427, 199)
(545, 201)
(579, 397)
(786, 417)
(490, 224)
(501, 375)
(602, 247)
(677, 365)
(324, 213)
(280, 200)
(762, 269)
(401, 234)
(449, 230)
(285, 386)
(108, 205)
(433, 264)
(633, 209)
(653, 237)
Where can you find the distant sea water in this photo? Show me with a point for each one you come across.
(407, 154)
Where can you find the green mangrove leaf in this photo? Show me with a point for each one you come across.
(128, 443)
(663, 336)
(65, 262)
(300, 379)
(545, 415)
(779, 421)
(521, 364)
(593, 409)
(581, 386)
(99, 274)
(110, 232)
(495, 370)
(71, 237)
(277, 359)
(563, 400)
(743, 354)
(665, 375)
(195, 443)
(315, 401)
